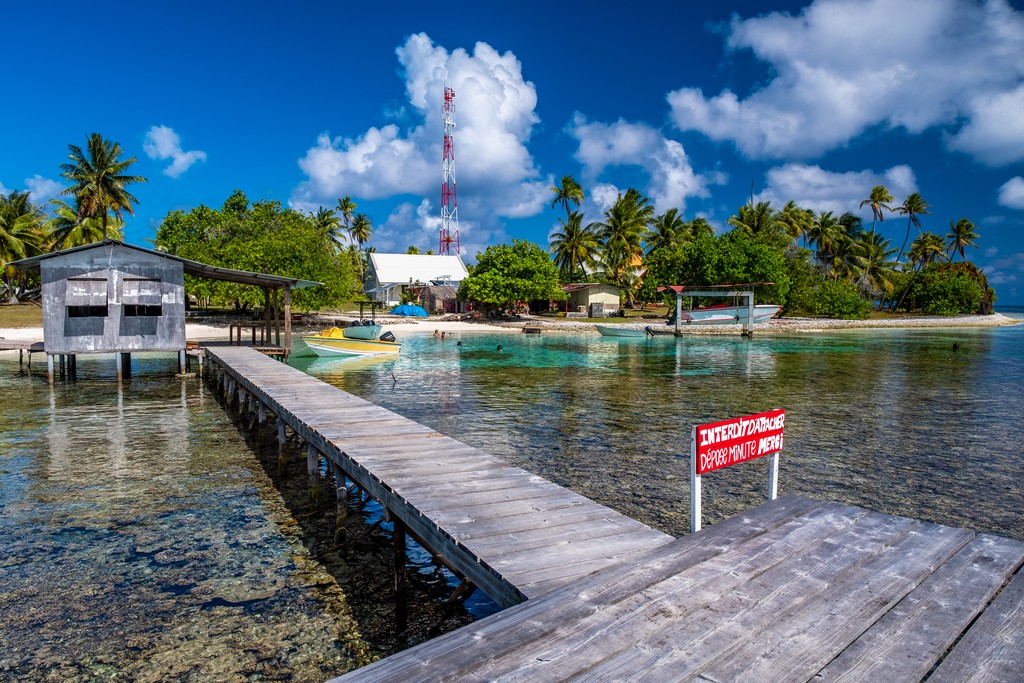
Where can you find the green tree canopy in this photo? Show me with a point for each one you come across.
(507, 273)
(265, 238)
(733, 258)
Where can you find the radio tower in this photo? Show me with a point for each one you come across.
(449, 204)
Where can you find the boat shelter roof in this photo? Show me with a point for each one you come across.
(699, 289)
(245, 277)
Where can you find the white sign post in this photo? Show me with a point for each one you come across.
(720, 444)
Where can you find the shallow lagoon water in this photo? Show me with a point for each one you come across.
(142, 538)
(894, 420)
(143, 541)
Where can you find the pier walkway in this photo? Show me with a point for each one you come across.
(514, 534)
(793, 590)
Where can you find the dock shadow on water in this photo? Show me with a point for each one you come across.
(144, 540)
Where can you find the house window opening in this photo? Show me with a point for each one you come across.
(143, 310)
(87, 311)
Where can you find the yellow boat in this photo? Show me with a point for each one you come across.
(333, 342)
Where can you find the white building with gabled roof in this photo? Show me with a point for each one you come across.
(387, 275)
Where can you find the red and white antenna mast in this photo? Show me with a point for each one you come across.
(449, 203)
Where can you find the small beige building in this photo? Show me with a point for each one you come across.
(596, 299)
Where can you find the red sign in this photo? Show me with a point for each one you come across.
(728, 442)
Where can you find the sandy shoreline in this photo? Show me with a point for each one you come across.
(211, 331)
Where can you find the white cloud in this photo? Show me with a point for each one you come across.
(1011, 194)
(812, 187)
(4, 190)
(843, 66)
(1005, 270)
(163, 143)
(994, 132)
(672, 178)
(42, 190)
(991, 252)
(495, 116)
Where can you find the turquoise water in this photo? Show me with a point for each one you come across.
(142, 538)
(894, 420)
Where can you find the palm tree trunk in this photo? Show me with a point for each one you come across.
(909, 223)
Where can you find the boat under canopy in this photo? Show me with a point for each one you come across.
(335, 342)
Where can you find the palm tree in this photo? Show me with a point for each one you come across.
(824, 235)
(913, 206)
(880, 200)
(362, 229)
(755, 219)
(328, 224)
(574, 246)
(927, 249)
(876, 270)
(98, 179)
(347, 210)
(847, 258)
(852, 224)
(622, 231)
(699, 227)
(960, 236)
(67, 230)
(666, 231)
(568, 193)
(796, 221)
(21, 233)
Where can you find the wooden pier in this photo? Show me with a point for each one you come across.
(794, 590)
(513, 534)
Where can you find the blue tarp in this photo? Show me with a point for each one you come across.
(409, 309)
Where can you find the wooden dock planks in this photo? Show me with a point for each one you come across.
(793, 590)
(513, 533)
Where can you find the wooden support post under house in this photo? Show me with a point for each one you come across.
(287, 321)
(313, 469)
(401, 583)
(282, 438)
(49, 367)
(341, 498)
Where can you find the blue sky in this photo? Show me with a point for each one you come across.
(691, 102)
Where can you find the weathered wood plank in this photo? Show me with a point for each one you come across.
(697, 607)
(993, 648)
(908, 640)
(451, 656)
(819, 628)
(521, 629)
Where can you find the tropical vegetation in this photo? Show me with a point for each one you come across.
(820, 262)
(508, 274)
(262, 237)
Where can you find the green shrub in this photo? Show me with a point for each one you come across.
(944, 291)
(841, 300)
